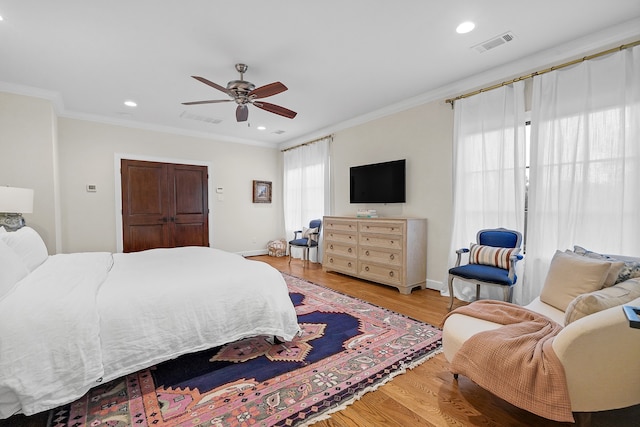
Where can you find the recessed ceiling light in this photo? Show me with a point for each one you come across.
(130, 103)
(261, 128)
(465, 27)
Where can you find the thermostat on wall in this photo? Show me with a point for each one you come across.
(92, 188)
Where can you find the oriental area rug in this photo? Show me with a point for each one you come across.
(348, 347)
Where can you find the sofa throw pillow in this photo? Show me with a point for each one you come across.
(629, 270)
(614, 270)
(489, 255)
(570, 276)
(309, 233)
(593, 302)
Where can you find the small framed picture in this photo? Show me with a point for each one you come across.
(261, 191)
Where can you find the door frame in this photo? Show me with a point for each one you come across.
(118, 188)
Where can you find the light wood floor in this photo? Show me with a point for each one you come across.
(425, 396)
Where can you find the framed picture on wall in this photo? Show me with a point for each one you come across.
(261, 191)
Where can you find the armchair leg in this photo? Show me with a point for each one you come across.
(451, 292)
(583, 419)
(289, 254)
(508, 293)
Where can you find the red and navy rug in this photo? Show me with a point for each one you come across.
(348, 347)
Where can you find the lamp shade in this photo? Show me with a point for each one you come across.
(16, 200)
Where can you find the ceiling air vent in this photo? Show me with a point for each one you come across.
(206, 119)
(494, 42)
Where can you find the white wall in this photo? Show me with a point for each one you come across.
(423, 135)
(27, 158)
(87, 152)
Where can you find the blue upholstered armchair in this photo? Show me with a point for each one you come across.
(492, 261)
(307, 238)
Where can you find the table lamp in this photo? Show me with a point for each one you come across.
(13, 203)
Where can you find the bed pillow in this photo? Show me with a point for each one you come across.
(490, 255)
(2, 230)
(28, 245)
(593, 302)
(570, 276)
(12, 269)
(630, 269)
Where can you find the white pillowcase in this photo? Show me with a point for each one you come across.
(570, 276)
(12, 269)
(28, 245)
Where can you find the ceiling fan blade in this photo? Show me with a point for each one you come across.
(207, 102)
(212, 84)
(268, 90)
(276, 109)
(242, 113)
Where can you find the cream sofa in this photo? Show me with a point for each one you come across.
(598, 349)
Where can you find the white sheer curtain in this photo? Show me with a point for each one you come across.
(489, 172)
(585, 162)
(306, 187)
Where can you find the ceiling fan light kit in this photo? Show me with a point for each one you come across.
(244, 93)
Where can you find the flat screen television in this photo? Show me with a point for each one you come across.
(378, 182)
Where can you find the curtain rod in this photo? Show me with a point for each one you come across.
(547, 70)
(306, 143)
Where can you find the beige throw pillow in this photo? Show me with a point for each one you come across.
(614, 270)
(593, 302)
(570, 276)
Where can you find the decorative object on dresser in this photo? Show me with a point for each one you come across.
(390, 251)
(13, 203)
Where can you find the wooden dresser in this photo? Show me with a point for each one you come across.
(391, 251)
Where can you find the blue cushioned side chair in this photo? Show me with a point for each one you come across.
(492, 261)
(306, 239)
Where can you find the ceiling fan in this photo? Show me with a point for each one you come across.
(244, 93)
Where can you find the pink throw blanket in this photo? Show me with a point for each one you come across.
(516, 361)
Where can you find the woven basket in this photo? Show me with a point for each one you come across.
(277, 248)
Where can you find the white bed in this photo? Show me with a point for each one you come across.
(71, 321)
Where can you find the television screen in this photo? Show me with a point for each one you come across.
(378, 183)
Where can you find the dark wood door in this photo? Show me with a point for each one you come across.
(164, 205)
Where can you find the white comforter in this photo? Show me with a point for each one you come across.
(80, 319)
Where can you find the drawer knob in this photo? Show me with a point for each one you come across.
(366, 268)
(392, 242)
(349, 264)
(349, 250)
(367, 253)
(331, 260)
(331, 246)
(391, 257)
(391, 274)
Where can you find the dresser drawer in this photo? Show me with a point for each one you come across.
(391, 258)
(386, 242)
(340, 237)
(340, 249)
(341, 225)
(382, 227)
(380, 273)
(346, 265)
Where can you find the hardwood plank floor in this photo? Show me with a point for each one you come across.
(424, 396)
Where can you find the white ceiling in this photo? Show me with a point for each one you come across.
(343, 61)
